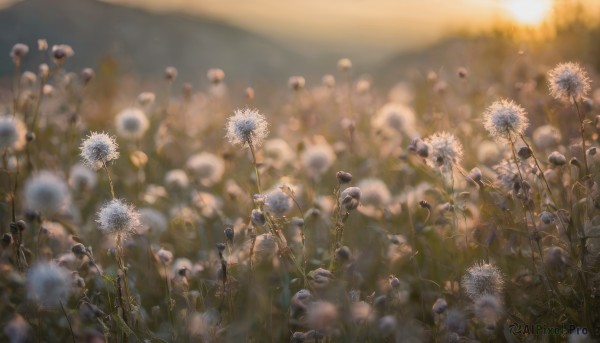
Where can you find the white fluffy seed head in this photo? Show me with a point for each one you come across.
(152, 221)
(546, 137)
(444, 151)
(48, 285)
(277, 202)
(317, 159)
(207, 168)
(484, 279)
(374, 192)
(12, 133)
(119, 217)
(278, 153)
(505, 119)
(177, 179)
(568, 81)
(98, 149)
(132, 123)
(394, 118)
(246, 126)
(82, 178)
(46, 193)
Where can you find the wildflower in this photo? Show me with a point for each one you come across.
(557, 159)
(170, 73)
(395, 118)
(568, 81)
(444, 150)
(99, 149)
(488, 310)
(82, 178)
(328, 81)
(118, 217)
(207, 168)
(46, 193)
(278, 153)
(343, 177)
(277, 202)
(164, 256)
(48, 285)
(484, 279)
(246, 127)
(264, 248)
(12, 133)
(387, 325)
(344, 64)
(556, 262)
(87, 74)
(61, 52)
(176, 179)
(440, 306)
(350, 198)
(18, 51)
(296, 82)
(215, 75)
(546, 137)
(18, 330)
(504, 119)
(317, 159)
(131, 123)
(152, 221)
(258, 218)
(322, 316)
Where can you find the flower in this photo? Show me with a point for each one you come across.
(484, 279)
(131, 123)
(395, 118)
(12, 133)
(444, 150)
(117, 216)
(82, 178)
(568, 81)
(246, 127)
(99, 149)
(46, 193)
(504, 118)
(317, 159)
(350, 198)
(48, 284)
(206, 167)
(277, 202)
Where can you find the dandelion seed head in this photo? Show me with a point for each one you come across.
(567, 81)
(246, 126)
(488, 310)
(116, 216)
(61, 52)
(277, 202)
(505, 119)
(82, 178)
(395, 118)
(98, 149)
(546, 137)
(18, 51)
(344, 64)
(48, 285)
(177, 179)
(152, 221)
(12, 133)
(374, 192)
(445, 150)
(317, 159)
(132, 123)
(170, 73)
(207, 168)
(46, 193)
(278, 153)
(483, 279)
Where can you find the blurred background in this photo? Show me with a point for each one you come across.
(265, 41)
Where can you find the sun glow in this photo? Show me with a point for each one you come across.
(528, 12)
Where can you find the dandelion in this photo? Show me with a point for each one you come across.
(317, 159)
(278, 153)
(118, 217)
(48, 285)
(177, 179)
(395, 118)
(46, 193)
(488, 310)
(444, 150)
(374, 193)
(12, 133)
(277, 202)
(207, 168)
(568, 82)
(99, 149)
(247, 128)
(484, 279)
(82, 178)
(152, 221)
(131, 123)
(546, 137)
(504, 120)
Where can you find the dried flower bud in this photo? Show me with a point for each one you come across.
(425, 204)
(343, 177)
(229, 233)
(258, 218)
(557, 159)
(79, 250)
(221, 247)
(524, 153)
(343, 254)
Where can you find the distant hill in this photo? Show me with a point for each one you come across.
(141, 42)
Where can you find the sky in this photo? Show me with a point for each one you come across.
(340, 27)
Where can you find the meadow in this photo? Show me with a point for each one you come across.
(454, 206)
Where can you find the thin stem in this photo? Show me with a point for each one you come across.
(255, 165)
(112, 190)
(582, 133)
(68, 320)
(169, 300)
